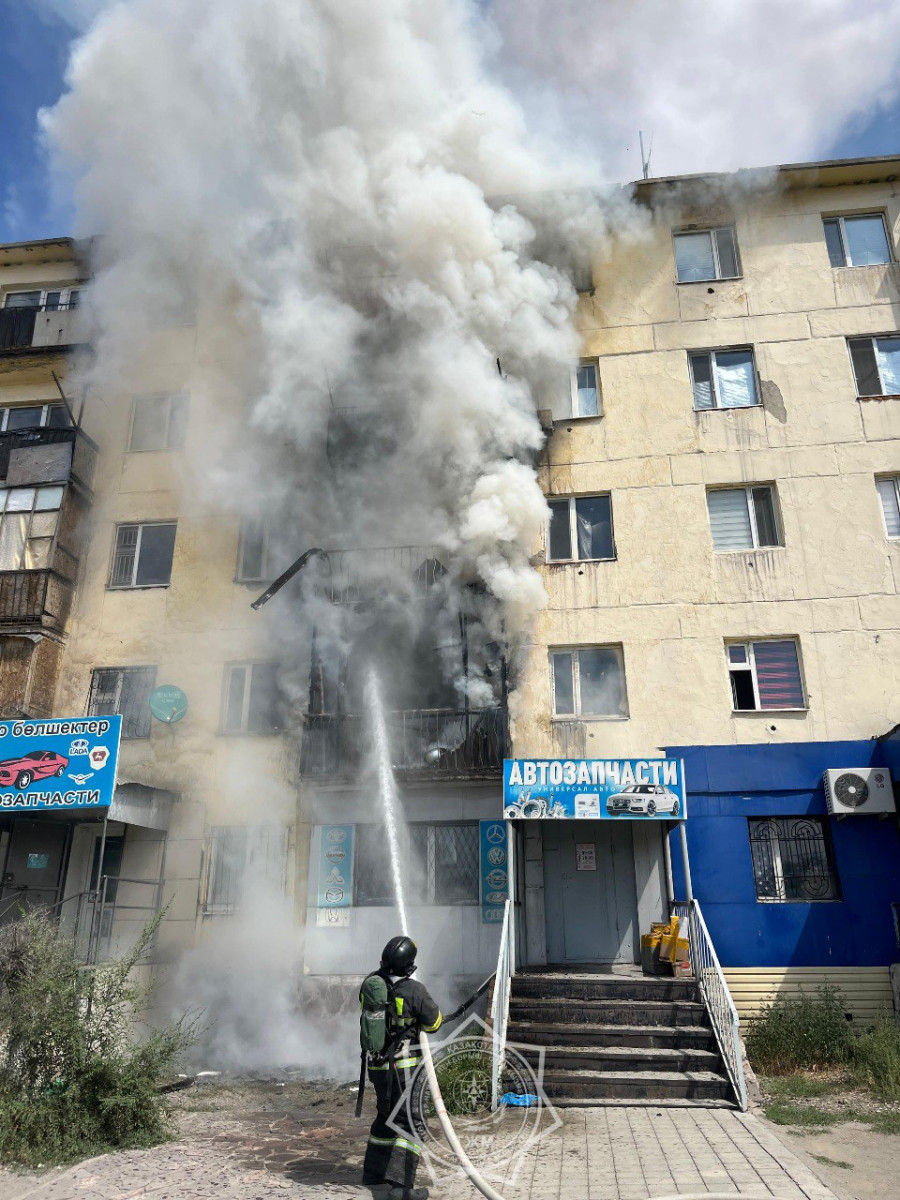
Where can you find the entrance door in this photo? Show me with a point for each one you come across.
(33, 866)
(591, 912)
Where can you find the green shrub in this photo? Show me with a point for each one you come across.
(74, 1077)
(800, 1033)
(874, 1058)
(464, 1077)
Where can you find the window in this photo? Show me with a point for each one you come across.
(889, 494)
(143, 555)
(252, 701)
(34, 416)
(443, 859)
(28, 521)
(52, 300)
(159, 422)
(580, 528)
(260, 557)
(710, 254)
(240, 855)
(724, 379)
(743, 518)
(876, 365)
(589, 682)
(857, 241)
(793, 859)
(765, 675)
(445, 863)
(586, 391)
(123, 690)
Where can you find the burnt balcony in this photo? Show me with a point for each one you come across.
(32, 601)
(42, 327)
(436, 743)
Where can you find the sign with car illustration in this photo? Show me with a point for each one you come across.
(60, 763)
(594, 789)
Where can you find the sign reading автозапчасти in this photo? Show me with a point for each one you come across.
(60, 763)
(594, 788)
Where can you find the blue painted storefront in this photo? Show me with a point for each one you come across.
(728, 784)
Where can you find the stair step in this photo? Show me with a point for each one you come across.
(635, 1085)
(629, 1058)
(588, 985)
(607, 1012)
(667, 1102)
(683, 1037)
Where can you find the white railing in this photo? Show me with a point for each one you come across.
(506, 966)
(716, 996)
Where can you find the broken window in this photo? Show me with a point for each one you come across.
(238, 857)
(28, 520)
(857, 241)
(723, 378)
(876, 365)
(580, 529)
(743, 518)
(159, 422)
(589, 682)
(585, 386)
(889, 494)
(765, 675)
(793, 859)
(143, 555)
(126, 691)
(706, 254)
(252, 701)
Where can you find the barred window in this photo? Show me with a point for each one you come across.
(143, 555)
(238, 856)
(793, 859)
(445, 863)
(126, 691)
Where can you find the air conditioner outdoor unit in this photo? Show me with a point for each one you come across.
(859, 791)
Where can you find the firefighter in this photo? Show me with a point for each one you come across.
(392, 1154)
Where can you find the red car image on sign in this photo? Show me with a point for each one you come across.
(38, 764)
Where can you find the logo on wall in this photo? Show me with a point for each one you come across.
(494, 854)
(335, 894)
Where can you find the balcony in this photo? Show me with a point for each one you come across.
(45, 454)
(353, 576)
(425, 744)
(32, 601)
(43, 327)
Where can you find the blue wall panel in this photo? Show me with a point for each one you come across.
(728, 784)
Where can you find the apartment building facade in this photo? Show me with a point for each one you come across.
(721, 564)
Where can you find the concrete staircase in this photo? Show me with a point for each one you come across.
(613, 1036)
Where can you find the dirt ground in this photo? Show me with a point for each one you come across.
(849, 1137)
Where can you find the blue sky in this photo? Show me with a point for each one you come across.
(34, 46)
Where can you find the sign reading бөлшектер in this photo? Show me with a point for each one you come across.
(61, 763)
(595, 789)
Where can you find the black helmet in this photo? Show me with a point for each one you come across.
(399, 956)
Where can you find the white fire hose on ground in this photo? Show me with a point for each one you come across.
(492, 1194)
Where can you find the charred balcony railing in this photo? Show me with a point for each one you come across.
(40, 327)
(34, 600)
(435, 742)
(351, 576)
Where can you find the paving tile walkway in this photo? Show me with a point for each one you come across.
(597, 1154)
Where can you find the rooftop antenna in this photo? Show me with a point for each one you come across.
(645, 158)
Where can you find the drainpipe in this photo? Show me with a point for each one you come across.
(667, 858)
(685, 863)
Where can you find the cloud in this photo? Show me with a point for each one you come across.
(78, 14)
(719, 85)
(13, 213)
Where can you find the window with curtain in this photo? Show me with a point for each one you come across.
(28, 522)
(876, 365)
(889, 494)
(706, 254)
(743, 518)
(723, 378)
(580, 529)
(857, 241)
(765, 675)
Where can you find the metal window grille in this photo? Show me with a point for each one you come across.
(140, 561)
(242, 857)
(793, 859)
(126, 691)
(445, 863)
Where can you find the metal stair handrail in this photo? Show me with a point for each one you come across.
(713, 987)
(506, 967)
